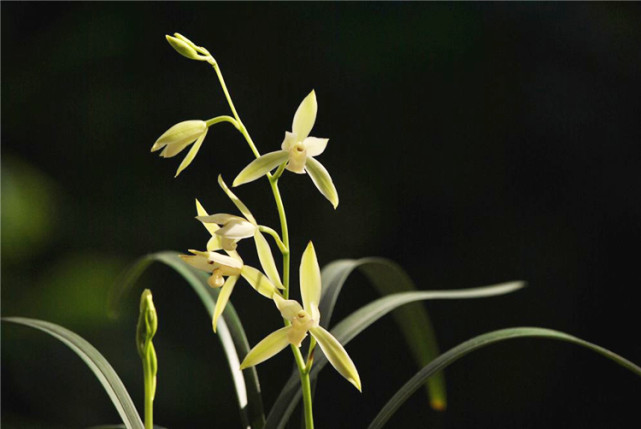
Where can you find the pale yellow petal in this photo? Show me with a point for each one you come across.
(258, 281)
(315, 146)
(234, 199)
(191, 154)
(261, 166)
(237, 229)
(211, 227)
(289, 141)
(305, 116)
(218, 218)
(310, 279)
(267, 259)
(336, 355)
(225, 261)
(288, 307)
(223, 297)
(322, 180)
(268, 347)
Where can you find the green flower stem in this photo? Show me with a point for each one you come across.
(273, 182)
(149, 398)
(223, 118)
(274, 234)
(279, 171)
(306, 387)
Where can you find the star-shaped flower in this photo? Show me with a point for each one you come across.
(304, 319)
(298, 150)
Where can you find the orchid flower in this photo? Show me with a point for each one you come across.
(227, 229)
(178, 137)
(298, 151)
(304, 319)
(232, 267)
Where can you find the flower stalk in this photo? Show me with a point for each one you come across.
(296, 155)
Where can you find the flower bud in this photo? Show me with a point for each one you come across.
(147, 322)
(185, 47)
(178, 137)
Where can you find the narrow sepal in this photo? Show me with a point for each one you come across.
(223, 297)
(191, 154)
(268, 347)
(258, 281)
(267, 259)
(211, 227)
(237, 202)
(310, 279)
(322, 180)
(261, 166)
(336, 355)
(305, 116)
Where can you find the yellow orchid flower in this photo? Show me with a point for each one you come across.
(304, 319)
(226, 230)
(232, 267)
(178, 137)
(298, 150)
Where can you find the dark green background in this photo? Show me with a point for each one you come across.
(472, 143)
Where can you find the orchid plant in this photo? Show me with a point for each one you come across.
(214, 272)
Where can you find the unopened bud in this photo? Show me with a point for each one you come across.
(186, 47)
(147, 322)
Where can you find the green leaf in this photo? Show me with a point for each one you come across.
(358, 321)
(230, 330)
(96, 362)
(475, 343)
(413, 321)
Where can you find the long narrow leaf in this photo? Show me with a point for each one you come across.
(230, 330)
(103, 371)
(475, 343)
(358, 321)
(388, 277)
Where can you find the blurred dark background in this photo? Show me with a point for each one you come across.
(472, 143)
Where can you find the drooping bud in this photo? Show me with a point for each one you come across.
(186, 47)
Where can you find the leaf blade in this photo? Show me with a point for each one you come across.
(101, 368)
(478, 342)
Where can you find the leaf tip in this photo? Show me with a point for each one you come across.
(438, 404)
